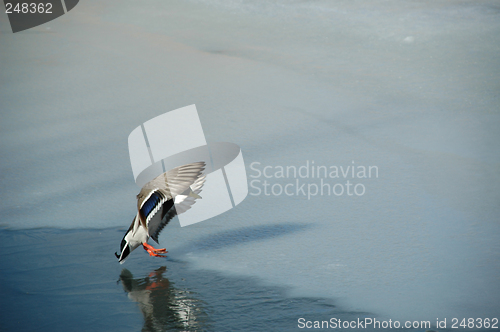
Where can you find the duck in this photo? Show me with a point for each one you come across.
(158, 202)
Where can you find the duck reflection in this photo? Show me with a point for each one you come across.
(164, 307)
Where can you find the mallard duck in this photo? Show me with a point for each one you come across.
(155, 206)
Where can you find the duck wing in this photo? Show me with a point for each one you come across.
(157, 223)
(156, 198)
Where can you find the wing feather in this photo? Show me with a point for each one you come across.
(170, 214)
(158, 196)
(157, 222)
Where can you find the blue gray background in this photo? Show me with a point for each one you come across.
(409, 86)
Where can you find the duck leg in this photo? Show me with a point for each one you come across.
(154, 252)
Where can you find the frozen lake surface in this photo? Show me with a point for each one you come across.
(409, 87)
(58, 289)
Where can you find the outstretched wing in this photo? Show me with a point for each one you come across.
(158, 223)
(182, 204)
(158, 194)
(161, 219)
(172, 183)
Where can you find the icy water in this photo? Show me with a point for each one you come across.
(406, 89)
(57, 280)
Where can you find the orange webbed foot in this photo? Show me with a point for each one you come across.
(154, 252)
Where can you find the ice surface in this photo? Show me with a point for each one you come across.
(408, 86)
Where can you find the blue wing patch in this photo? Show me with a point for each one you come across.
(150, 204)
